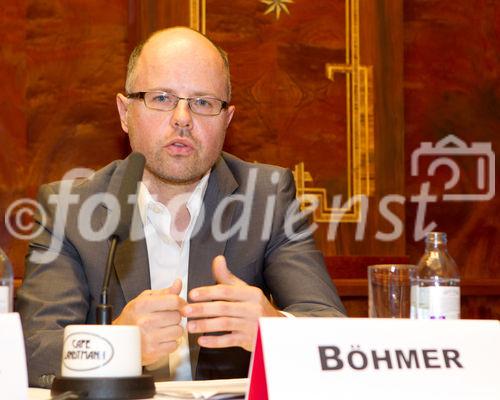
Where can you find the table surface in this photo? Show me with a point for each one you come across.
(198, 389)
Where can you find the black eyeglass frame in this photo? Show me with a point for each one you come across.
(141, 96)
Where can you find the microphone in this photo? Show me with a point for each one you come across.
(102, 361)
(128, 186)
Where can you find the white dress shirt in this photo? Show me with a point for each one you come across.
(169, 261)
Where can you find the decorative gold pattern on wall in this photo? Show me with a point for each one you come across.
(359, 106)
(312, 195)
(197, 15)
(359, 119)
(277, 6)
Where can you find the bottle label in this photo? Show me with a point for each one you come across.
(435, 302)
(4, 299)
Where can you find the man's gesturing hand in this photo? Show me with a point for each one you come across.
(231, 306)
(156, 313)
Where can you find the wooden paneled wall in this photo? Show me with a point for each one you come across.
(433, 71)
(452, 86)
(61, 64)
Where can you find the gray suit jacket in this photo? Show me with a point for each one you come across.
(66, 291)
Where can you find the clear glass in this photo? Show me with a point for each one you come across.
(389, 290)
(436, 287)
(6, 284)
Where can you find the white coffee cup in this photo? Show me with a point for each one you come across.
(101, 351)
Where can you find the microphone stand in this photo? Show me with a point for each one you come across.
(104, 311)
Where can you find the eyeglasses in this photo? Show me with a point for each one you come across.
(164, 101)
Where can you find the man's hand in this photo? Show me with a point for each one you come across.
(156, 313)
(231, 306)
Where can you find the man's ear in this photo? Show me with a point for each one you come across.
(230, 113)
(122, 105)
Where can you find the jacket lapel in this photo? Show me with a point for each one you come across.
(131, 258)
(203, 246)
(132, 268)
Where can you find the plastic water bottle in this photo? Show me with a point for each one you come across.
(435, 290)
(6, 284)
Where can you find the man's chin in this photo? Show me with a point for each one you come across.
(179, 173)
(180, 179)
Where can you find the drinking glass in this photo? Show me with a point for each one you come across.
(389, 290)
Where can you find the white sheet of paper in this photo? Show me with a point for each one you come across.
(203, 388)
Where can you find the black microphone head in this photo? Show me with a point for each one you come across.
(128, 186)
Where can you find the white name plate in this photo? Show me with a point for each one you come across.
(13, 372)
(348, 358)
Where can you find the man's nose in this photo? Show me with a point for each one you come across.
(182, 117)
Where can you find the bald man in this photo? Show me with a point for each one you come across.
(217, 245)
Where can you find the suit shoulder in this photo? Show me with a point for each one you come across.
(97, 181)
(240, 167)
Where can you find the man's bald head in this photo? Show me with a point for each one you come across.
(184, 34)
